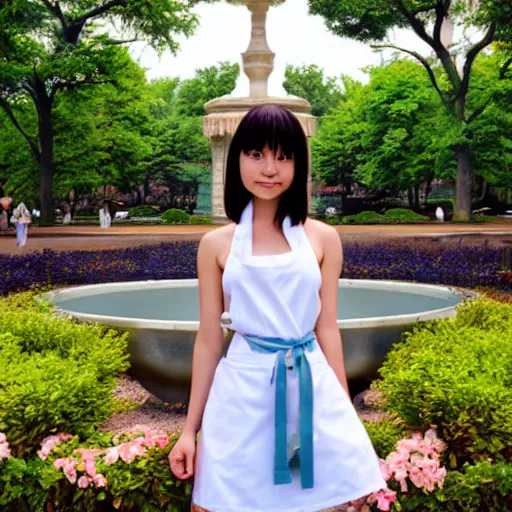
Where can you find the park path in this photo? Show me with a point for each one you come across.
(63, 238)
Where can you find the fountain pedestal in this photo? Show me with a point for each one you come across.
(225, 113)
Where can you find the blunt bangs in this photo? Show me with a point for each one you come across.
(277, 128)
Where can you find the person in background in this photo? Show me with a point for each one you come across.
(21, 218)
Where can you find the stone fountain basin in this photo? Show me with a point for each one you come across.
(162, 319)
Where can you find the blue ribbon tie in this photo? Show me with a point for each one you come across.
(301, 365)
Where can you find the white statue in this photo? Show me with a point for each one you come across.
(21, 218)
(105, 218)
(440, 214)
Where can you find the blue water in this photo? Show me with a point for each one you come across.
(182, 304)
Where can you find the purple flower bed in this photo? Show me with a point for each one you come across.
(49, 268)
(467, 267)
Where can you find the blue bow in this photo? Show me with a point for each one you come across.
(282, 473)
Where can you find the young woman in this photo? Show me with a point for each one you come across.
(278, 429)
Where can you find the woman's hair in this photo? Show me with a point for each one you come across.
(278, 128)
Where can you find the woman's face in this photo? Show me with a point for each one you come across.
(266, 174)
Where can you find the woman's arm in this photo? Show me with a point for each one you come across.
(207, 353)
(209, 339)
(327, 330)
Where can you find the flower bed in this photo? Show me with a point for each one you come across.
(454, 374)
(449, 378)
(464, 266)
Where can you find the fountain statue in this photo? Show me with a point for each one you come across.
(225, 113)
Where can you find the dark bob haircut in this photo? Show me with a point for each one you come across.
(276, 127)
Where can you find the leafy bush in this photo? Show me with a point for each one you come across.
(197, 219)
(404, 215)
(457, 374)
(56, 374)
(384, 435)
(175, 216)
(144, 211)
(392, 216)
(365, 218)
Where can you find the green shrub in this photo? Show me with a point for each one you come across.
(144, 211)
(197, 219)
(457, 374)
(484, 486)
(365, 218)
(385, 434)
(56, 373)
(404, 215)
(175, 216)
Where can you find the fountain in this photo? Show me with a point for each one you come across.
(225, 113)
(162, 318)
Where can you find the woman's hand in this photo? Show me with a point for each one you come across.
(181, 458)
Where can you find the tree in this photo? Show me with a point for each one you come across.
(208, 83)
(373, 20)
(309, 82)
(403, 139)
(337, 146)
(180, 155)
(48, 46)
(103, 133)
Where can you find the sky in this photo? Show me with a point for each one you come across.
(294, 35)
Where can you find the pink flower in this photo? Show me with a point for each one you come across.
(3, 438)
(68, 466)
(50, 442)
(385, 498)
(112, 455)
(162, 441)
(84, 481)
(100, 480)
(131, 450)
(89, 459)
(5, 451)
(384, 469)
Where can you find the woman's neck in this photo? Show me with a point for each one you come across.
(265, 211)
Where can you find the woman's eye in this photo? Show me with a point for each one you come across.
(282, 158)
(256, 154)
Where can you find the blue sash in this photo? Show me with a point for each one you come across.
(282, 473)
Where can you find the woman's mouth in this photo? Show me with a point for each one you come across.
(268, 185)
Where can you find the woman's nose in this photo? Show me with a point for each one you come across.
(270, 165)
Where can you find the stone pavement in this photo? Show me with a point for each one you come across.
(95, 238)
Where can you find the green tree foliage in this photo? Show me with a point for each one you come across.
(337, 145)
(309, 82)
(209, 83)
(394, 133)
(47, 47)
(373, 21)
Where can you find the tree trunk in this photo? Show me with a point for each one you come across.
(484, 192)
(416, 198)
(46, 165)
(427, 190)
(463, 184)
(410, 198)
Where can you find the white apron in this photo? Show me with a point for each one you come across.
(276, 296)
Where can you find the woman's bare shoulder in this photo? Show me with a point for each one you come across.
(219, 240)
(324, 232)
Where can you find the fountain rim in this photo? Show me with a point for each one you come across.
(75, 292)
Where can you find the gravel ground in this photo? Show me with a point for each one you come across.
(155, 414)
